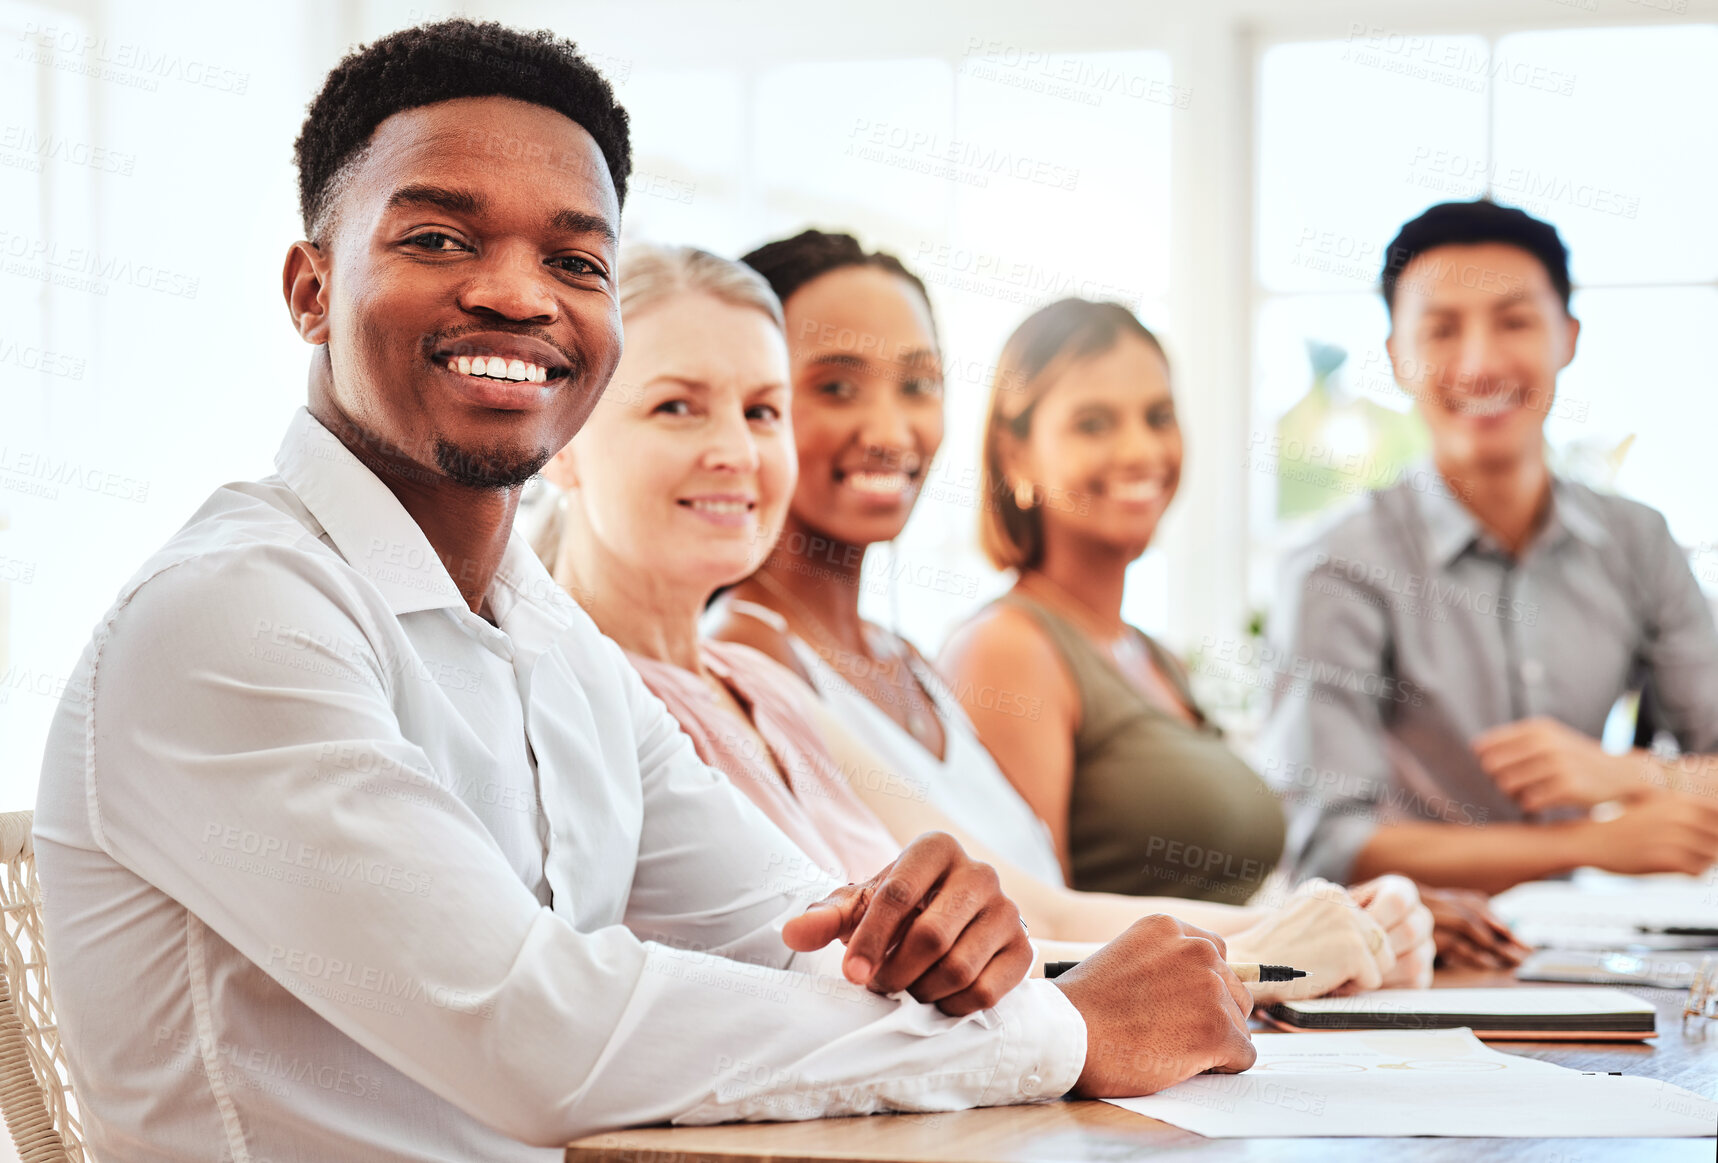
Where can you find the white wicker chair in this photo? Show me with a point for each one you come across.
(35, 1090)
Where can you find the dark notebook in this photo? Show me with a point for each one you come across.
(1520, 1013)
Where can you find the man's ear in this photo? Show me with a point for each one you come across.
(304, 282)
(1574, 334)
(562, 469)
(1407, 385)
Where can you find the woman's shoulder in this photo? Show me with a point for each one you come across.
(751, 667)
(1003, 634)
(736, 619)
(782, 706)
(1006, 647)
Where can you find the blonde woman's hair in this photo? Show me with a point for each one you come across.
(650, 275)
(1044, 346)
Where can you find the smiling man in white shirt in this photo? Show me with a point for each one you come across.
(359, 842)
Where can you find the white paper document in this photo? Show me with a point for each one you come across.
(1602, 911)
(1431, 1082)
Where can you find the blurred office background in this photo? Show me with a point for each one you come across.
(1231, 169)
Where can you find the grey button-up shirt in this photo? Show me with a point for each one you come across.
(1405, 631)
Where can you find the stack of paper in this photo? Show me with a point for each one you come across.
(1593, 967)
(1604, 912)
(1440, 1082)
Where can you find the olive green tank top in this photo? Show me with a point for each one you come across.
(1159, 806)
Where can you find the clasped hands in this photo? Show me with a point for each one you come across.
(1542, 764)
(1376, 936)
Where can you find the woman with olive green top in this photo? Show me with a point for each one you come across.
(1159, 806)
(1081, 455)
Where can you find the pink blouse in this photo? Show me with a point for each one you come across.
(815, 807)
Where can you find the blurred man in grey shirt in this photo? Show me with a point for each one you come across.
(1461, 637)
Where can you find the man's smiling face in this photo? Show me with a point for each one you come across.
(469, 289)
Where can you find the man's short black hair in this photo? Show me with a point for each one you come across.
(1469, 223)
(440, 62)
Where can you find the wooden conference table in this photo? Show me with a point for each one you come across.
(1096, 1132)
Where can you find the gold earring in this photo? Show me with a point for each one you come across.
(1025, 494)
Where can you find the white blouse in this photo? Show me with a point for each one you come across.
(965, 785)
(335, 869)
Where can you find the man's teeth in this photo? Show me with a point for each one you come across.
(884, 483)
(1487, 405)
(1136, 490)
(496, 367)
(709, 506)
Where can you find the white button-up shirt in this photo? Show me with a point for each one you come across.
(334, 869)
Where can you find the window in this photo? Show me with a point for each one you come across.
(1005, 181)
(1601, 131)
(146, 182)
